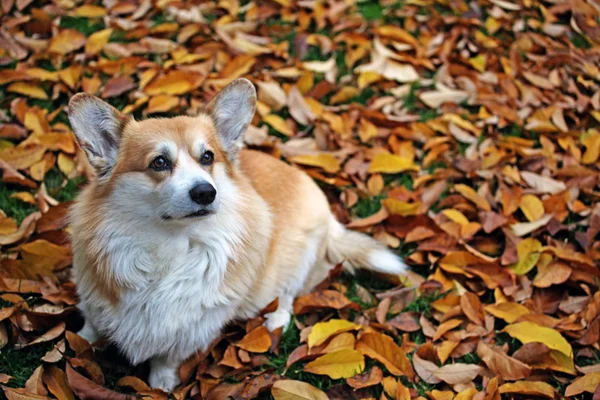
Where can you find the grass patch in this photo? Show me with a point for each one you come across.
(422, 304)
(20, 364)
(371, 10)
(367, 206)
(87, 26)
(14, 208)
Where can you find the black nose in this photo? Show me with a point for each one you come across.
(203, 193)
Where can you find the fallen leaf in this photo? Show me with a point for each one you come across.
(256, 341)
(338, 364)
(371, 378)
(528, 332)
(458, 373)
(528, 388)
(587, 383)
(56, 381)
(85, 389)
(391, 164)
(324, 330)
(66, 41)
(501, 364)
(326, 161)
(296, 390)
(383, 349)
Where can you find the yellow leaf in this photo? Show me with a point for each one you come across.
(296, 390)
(161, 103)
(528, 332)
(70, 76)
(397, 207)
(339, 364)
(279, 124)
(246, 46)
(591, 141)
(257, 340)
(342, 341)
(587, 383)
(28, 89)
(42, 74)
(174, 83)
(456, 216)
(66, 41)
(472, 195)
(90, 11)
(528, 388)
(509, 312)
(326, 161)
(466, 394)
(479, 62)
(382, 348)
(532, 207)
(344, 94)
(391, 164)
(366, 130)
(22, 157)
(97, 41)
(528, 253)
(25, 197)
(66, 164)
(324, 330)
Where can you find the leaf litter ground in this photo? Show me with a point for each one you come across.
(462, 134)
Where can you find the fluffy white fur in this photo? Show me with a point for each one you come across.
(181, 282)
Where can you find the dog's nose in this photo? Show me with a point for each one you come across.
(203, 193)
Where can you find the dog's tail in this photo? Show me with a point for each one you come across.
(357, 250)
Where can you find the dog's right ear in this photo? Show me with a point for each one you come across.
(98, 127)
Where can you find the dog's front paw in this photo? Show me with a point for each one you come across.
(163, 376)
(277, 319)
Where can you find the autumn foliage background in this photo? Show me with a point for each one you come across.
(464, 134)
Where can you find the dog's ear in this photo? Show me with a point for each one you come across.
(232, 110)
(98, 127)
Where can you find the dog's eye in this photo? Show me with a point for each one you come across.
(159, 163)
(207, 158)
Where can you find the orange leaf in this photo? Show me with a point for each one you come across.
(587, 383)
(383, 349)
(66, 41)
(257, 340)
(529, 388)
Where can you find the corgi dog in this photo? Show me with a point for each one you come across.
(183, 231)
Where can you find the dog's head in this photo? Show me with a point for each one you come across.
(167, 169)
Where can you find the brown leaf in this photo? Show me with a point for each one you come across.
(319, 300)
(507, 367)
(117, 86)
(371, 378)
(92, 369)
(383, 349)
(86, 389)
(296, 390)
(21, 394)
(256, 341)
(66, 41)
(259, 385)
(471, 307)
(56, 381)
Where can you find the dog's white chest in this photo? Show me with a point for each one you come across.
(179, 305)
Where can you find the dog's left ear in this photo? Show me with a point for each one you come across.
(232, 110)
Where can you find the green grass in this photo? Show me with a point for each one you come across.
(87, 26)
(14, 208)
(371, 10)
(367, 206)
(20, 364)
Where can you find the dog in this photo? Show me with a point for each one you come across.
(183, 231)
